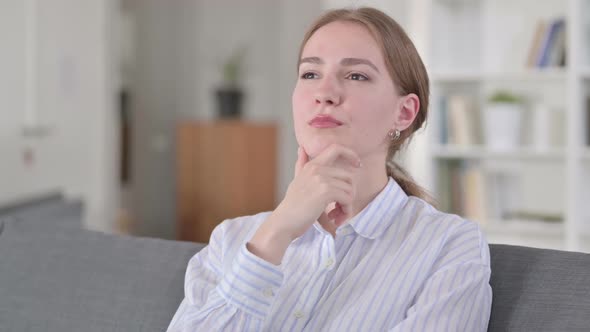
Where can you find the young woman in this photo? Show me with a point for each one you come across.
(354, 245)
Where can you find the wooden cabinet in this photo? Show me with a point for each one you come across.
(225, 169)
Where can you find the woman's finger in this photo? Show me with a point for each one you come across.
(341, 185)
(339, 215)
(302, 159)
(335, 151)
(339, 173)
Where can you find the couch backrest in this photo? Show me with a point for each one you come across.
(51, 209)
(539, 290)
(70, 279)
(43, 199)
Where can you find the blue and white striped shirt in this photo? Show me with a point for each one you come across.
(398, 265)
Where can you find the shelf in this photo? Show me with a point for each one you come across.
(481, 152)
(525, 228)
(544, 74)
(477, 48)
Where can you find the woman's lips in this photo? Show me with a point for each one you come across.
(325, 122)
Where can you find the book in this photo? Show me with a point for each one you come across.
(548, 42)
(457, 190)
(503, 189)
(459, 111)
(548, 45)
(464, 190)
(444, 186)
(556, 52)
(540, 30)
(588, 121)
(474, 198)
(444, 126)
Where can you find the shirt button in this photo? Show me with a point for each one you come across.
(329, 262)
(344, 230)
(267, 292)
(298, 314)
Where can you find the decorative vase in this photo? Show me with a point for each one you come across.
(229, 102)
(502, 125)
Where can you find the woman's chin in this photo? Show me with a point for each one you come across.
(316, 147)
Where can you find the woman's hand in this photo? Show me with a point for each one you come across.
(326, 179)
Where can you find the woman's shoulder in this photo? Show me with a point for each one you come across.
(452, 234)
(228, 237)
(239, 227)
(425, 212)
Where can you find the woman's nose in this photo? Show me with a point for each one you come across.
(328, 93)
(328, 99)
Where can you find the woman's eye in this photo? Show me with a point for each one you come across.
(308, 76)
(358, 77)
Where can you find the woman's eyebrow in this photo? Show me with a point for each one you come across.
(344, 62)
(312, 59)
(358, 61)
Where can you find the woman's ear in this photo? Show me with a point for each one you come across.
(408, 109)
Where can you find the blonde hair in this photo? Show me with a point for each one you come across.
(406, 69)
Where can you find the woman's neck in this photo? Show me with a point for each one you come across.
(371, 180)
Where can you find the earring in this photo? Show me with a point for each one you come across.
(394, 134)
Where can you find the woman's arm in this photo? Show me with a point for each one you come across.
(457, 296)
(217, 300)
(456, 299)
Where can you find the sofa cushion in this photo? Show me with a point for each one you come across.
(539, 289)
(70, 279)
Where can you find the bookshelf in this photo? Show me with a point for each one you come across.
(533, 190)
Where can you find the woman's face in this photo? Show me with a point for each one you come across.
(344, 93)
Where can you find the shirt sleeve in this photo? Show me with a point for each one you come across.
(457, 297)
(238, 298)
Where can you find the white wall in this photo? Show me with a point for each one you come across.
(74, 98)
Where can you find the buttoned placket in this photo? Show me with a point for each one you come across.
(326, 263)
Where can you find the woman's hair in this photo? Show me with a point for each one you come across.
(405, 68)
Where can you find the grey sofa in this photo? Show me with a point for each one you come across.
(56, 276)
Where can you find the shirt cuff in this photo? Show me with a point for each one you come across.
(251, 284)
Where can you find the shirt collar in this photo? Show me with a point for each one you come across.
(378, 215)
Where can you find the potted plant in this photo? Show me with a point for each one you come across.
(503, 120)
(230, 94)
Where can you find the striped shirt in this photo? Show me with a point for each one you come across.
(398, 265)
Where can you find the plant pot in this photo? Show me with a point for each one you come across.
(229, 102)
(502, 125)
